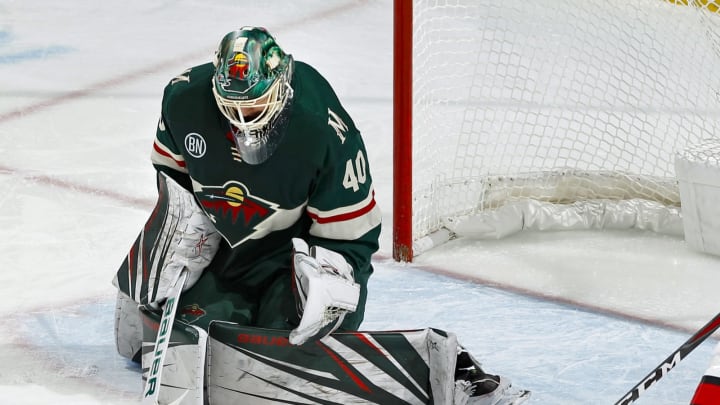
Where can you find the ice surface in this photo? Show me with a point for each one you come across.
(578, 318)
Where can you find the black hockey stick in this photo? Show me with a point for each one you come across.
(672, 361)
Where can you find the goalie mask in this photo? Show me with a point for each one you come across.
(251, 85)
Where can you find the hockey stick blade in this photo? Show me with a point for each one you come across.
(152, 385)
(672, 361)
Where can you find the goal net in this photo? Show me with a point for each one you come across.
(547, 114)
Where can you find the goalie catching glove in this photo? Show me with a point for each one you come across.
(325, 291)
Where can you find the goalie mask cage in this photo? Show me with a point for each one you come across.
(506, 110)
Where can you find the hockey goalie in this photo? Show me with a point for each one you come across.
(248, 282)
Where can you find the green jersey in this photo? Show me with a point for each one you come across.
(316, 185)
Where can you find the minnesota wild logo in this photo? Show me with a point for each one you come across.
(192, 311)
(238, 66)
(236, 213)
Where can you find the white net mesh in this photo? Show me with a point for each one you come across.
(556, 100)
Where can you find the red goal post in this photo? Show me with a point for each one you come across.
(542, 114)
(402, 130)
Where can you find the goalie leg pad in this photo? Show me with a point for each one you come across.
(255, 365)
(184, 366)
(260, 366)
(128, 328)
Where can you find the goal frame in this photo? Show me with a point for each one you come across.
(402, 130)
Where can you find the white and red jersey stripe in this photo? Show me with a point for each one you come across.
(163, 156)
(348, 222)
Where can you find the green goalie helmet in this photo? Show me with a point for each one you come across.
(251, 85)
